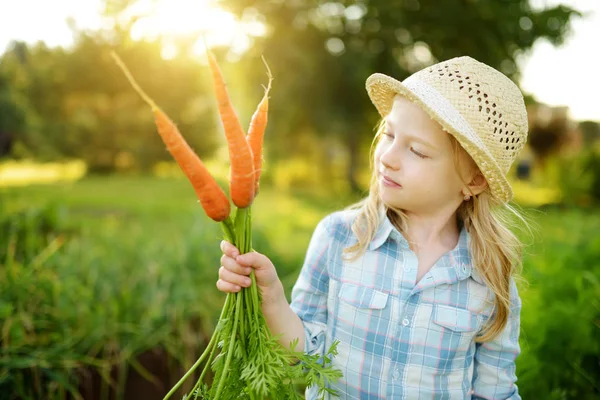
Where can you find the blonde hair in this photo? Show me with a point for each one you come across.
(495, 250)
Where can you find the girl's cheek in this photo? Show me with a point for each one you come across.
(377, 158)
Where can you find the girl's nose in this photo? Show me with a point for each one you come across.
(390, 160)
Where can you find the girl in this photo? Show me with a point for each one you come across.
(415, 281)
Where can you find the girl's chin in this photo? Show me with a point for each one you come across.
(390, 198)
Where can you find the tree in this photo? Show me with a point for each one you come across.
(86, 109)
(15, 113)
(323, 51)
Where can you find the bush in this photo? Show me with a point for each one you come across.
(561, 314)
(578, 178)
(75, 305)
(26, 233)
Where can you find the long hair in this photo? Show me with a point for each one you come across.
(495, 250)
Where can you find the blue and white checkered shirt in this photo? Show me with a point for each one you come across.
(400, 339)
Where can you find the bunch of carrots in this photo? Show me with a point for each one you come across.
(247, 361)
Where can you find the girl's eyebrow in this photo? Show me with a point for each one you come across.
(414, 138)
(422, 141)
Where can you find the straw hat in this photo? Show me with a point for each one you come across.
(478, 105)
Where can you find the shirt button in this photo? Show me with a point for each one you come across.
(396, 374)
(406, 268)
(405, 322)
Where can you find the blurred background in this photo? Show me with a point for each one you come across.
(107, 262)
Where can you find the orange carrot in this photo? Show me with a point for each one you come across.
(256, 132)
(241, 174)
(211, 196)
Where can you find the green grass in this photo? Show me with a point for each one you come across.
(169, 208)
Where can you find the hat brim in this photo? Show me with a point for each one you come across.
(382, 89)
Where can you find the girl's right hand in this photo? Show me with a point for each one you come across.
(235, 268)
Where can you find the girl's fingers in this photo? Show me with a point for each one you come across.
(227, 287)
(229, 249)
(236, 279)
(230, 264)
(254, 259)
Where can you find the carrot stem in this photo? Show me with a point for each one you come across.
(255, 303)
(206, 365)
(238, 306)
(212, 344)
(240, 228)
(229, 229)
(208, 349)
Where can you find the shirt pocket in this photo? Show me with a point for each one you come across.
(453, 318)
(362, 296)
(458, 326)
(361, 315)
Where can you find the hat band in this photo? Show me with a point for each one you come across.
(441, 106)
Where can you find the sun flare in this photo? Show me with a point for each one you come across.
(179, 21)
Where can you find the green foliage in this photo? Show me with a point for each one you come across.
(28, 240)
(561, 311)
(85, 108)
(25, 234)
(96, 300)
(15, 116)
(255, 365)
(577, 176)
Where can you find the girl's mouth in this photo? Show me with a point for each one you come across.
(388, 182)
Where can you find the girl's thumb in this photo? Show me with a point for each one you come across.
(253, 259)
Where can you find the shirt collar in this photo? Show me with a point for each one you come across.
(459, 257)
(461, 260)
(385, 230)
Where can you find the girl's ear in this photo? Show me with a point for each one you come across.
(478, 184)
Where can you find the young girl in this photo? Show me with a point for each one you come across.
(415, 281)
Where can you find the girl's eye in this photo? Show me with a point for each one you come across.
(420, 155)
(388, 135)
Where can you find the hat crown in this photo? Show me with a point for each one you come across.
(488, 100)
(481, 107)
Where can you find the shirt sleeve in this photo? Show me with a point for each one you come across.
(309, 294)
(494, 373)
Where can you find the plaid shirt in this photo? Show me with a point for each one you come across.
(398, 339)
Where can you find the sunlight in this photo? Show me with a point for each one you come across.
(178, 21)
(23, 173)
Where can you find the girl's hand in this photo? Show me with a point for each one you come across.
(235, 268)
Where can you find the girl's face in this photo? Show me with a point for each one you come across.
(415, 162)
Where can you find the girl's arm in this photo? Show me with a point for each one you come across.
(282, 320)
(494, 374)
(309, 295)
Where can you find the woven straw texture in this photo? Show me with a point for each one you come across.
(481, 107)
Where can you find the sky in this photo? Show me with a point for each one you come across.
(568, 75)
(563, 76)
